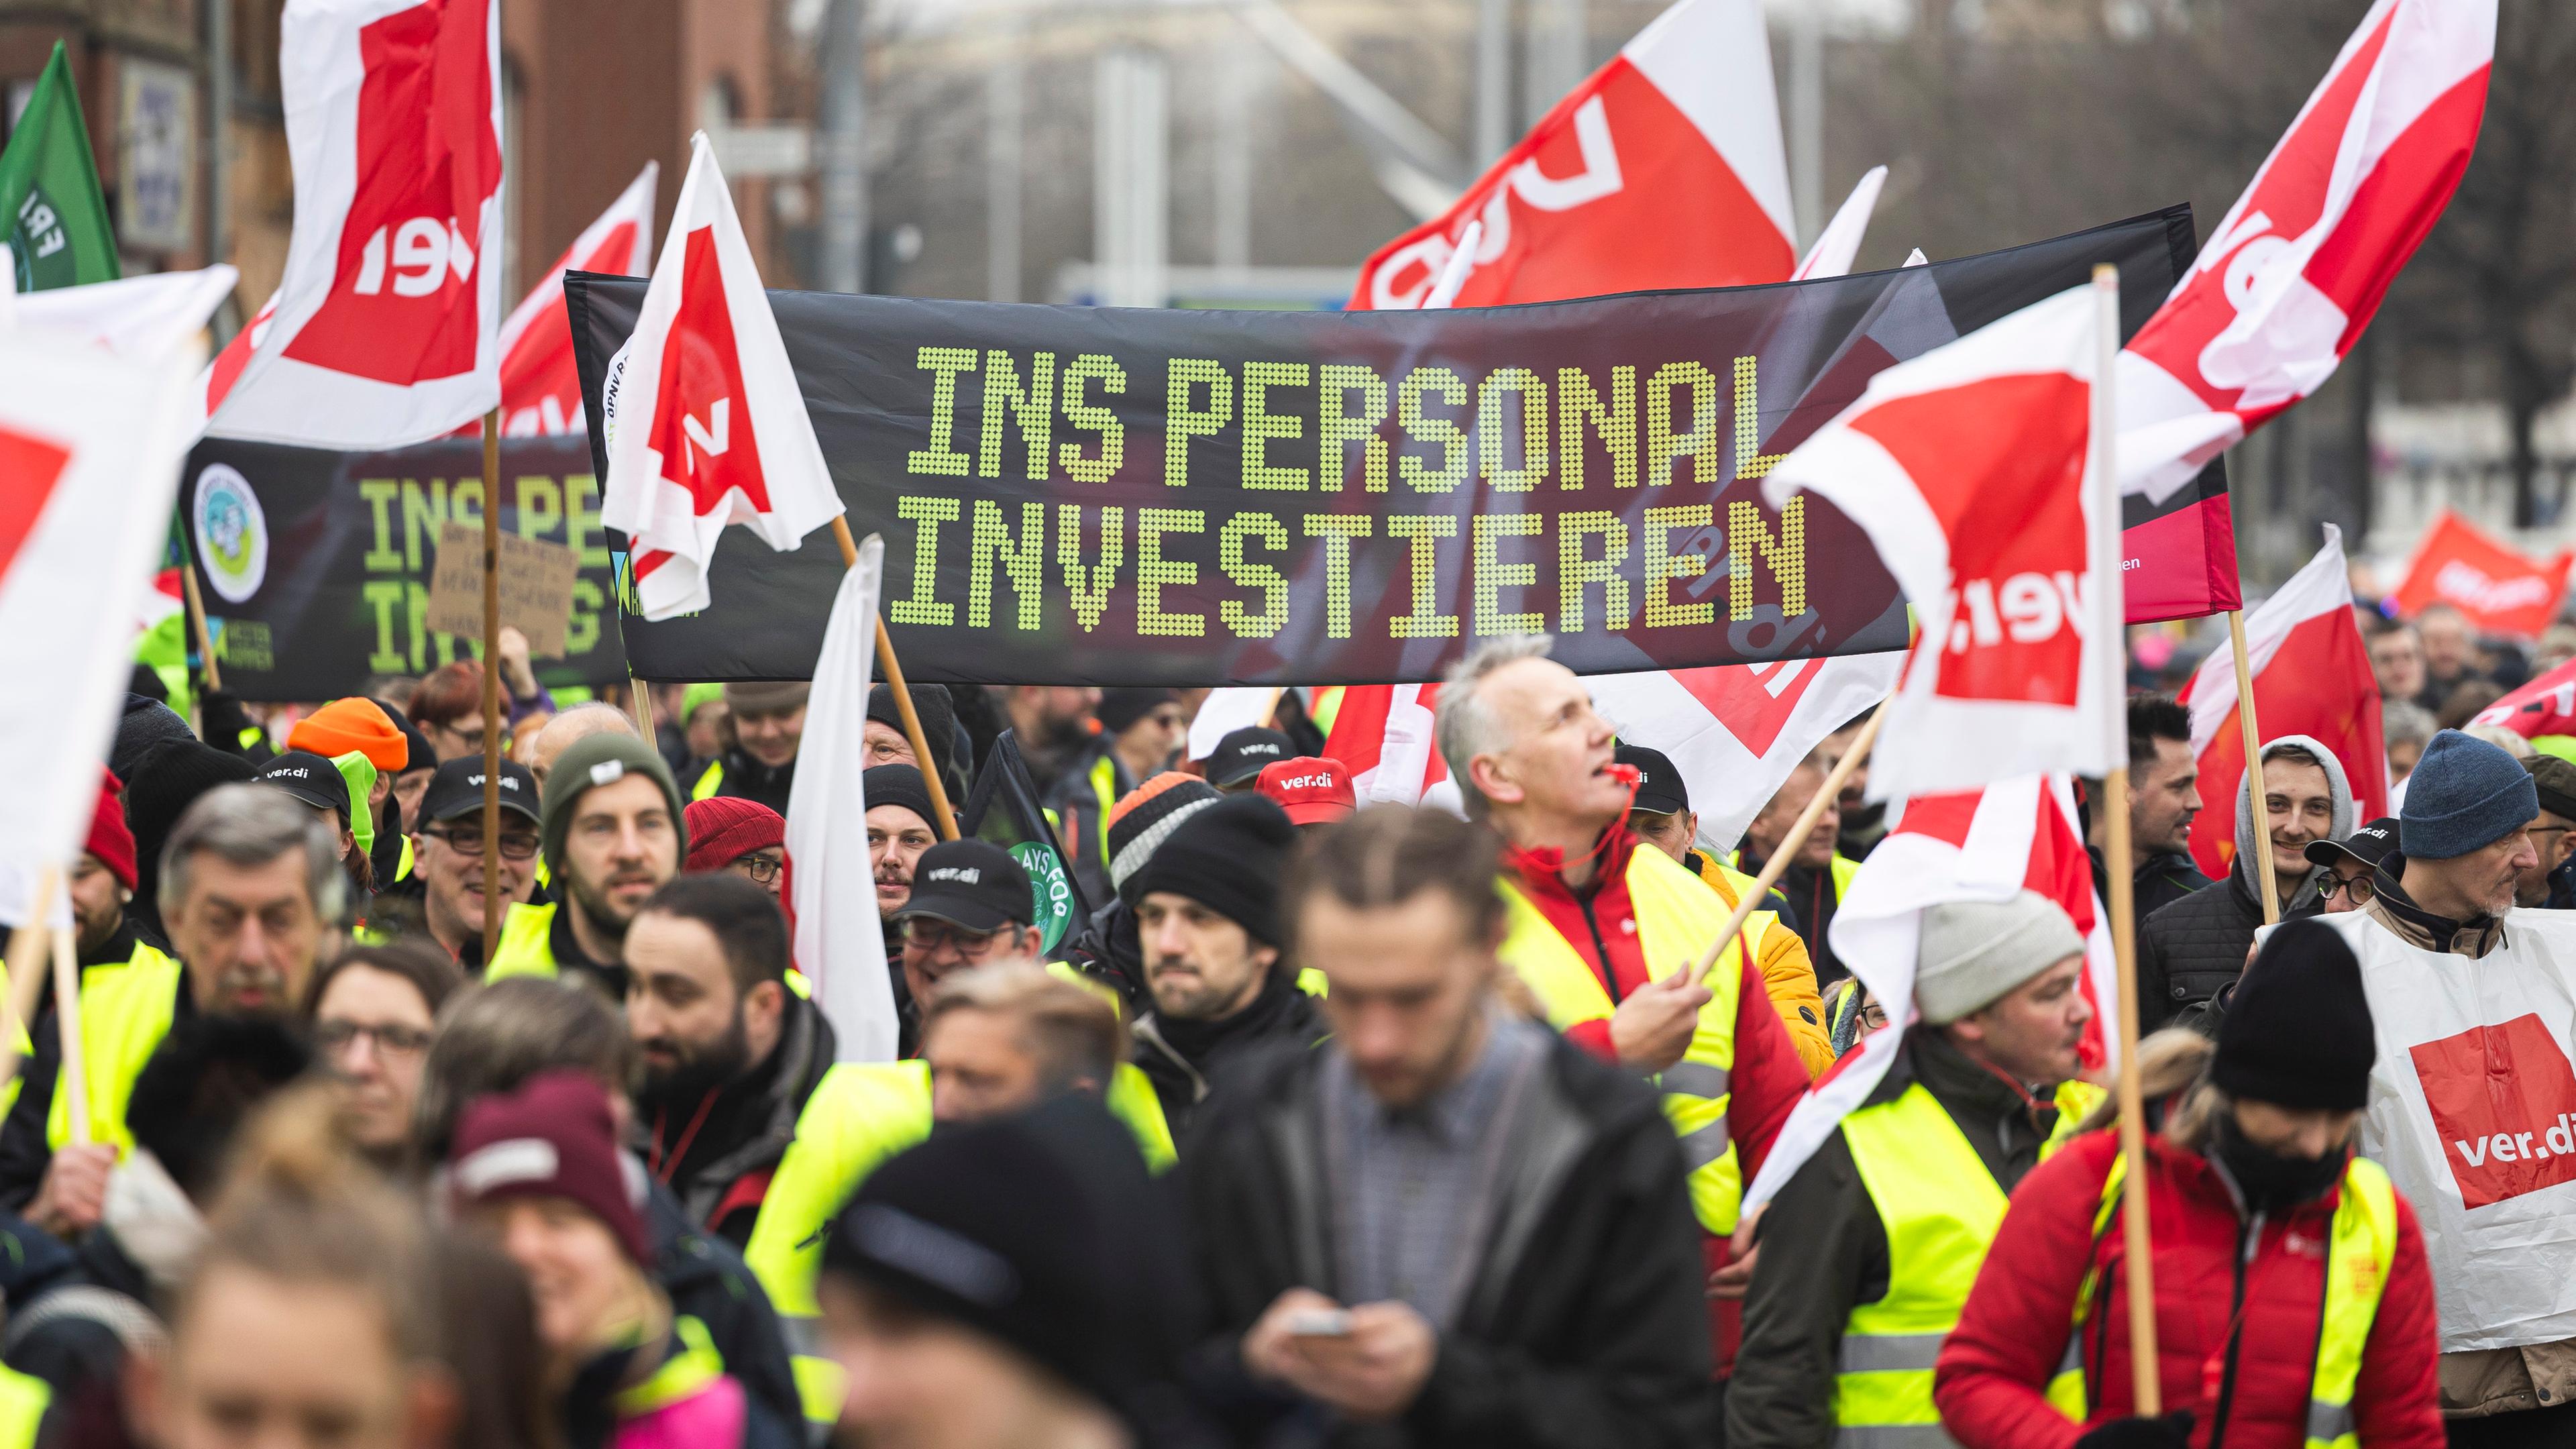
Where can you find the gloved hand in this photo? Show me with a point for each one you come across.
(2173, 1431)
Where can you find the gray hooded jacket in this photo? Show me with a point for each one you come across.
(2190, 949)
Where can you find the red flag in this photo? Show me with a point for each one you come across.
(1970, 468)
(2311, 677)
(383, 324)
(540, 391)
(1665, 169)
(2544, 707)
(2500, 590)
(2299, 266)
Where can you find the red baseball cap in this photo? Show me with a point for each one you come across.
(1313, 790)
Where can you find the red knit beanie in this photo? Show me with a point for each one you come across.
(723, 829)
(109, 840)
(551, 1138)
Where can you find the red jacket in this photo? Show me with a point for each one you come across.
(2013, 1332)
(1767, 1078)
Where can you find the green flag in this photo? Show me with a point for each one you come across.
(59, 234)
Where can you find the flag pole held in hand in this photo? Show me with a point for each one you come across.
(73, 1080)
(947, 821)
(26, 974)
(1788, 846)
(495, 905)
(2262, 869)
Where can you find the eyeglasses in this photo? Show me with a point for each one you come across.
(515, 844)
(1873, 1016)
(2358, 887)
(930, 935)
(761, 868)
(392, 1040)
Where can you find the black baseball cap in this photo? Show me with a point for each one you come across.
(970, 883)
(2370, 845)
(1243, 754)
(1660, 790)
(457, 789)
(309, 778)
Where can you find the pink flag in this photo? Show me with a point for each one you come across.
(381, 332)
(1665, 169)
(2311, 677)
(1982, 845)
(2298, 267)
(704, 423)
(540, 391)
(1970, 468)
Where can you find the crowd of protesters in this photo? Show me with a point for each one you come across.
(1318, 1124)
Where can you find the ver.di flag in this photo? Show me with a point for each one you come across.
(701, 414)
(2499, 588)
(382, 329)
(840, 943)
(1972, 468)
(58, 231)
(540, 387)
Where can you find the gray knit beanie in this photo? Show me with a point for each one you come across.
(1975, 952)
(603, 759)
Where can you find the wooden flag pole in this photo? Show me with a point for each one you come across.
(2145, 1390)
(74, 1078)
(640, 705)
(947, 821)
(197, 623)
(1270, 710)
(2253, 765)
(1788, 846)
(495, 905)
(26, 975)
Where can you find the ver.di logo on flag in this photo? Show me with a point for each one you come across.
(2503, 1100)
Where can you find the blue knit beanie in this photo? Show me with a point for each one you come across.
(2465, 793)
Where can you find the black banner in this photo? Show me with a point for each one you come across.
(1106, 496)
(315, 565)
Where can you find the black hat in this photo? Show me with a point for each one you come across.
(1039, 1229)
(970, 883)
(2370, 845)
(457, 789)
(938, 715)
(1120, 708)
(309, 778)
(146, 724)
(1660, 790)
(2555, 779)
(1228, 857)
(419, 755)
(2298, 1032)
(898, 785)
(1243, 754)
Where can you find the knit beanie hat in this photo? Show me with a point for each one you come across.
(2554, 780)
(417, 754)
(553, 1137)
(1120, 708)
(1229, 858)
(602, 759)
(767, 696)
(696, 697)
(938, 718)
(899, 785)
(723, 829)
(164, 784)
(109, 839)
(1039, 1230)
(1146, 816)
(145, 724)
(2298, 1031)
(1975, 952)
(354, 723)
(2465, 793)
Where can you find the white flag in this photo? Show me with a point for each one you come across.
(704, 422)
(840, 946)
(147, 316)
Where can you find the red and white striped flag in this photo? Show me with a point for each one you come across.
(705, 424)
(1983, 845)
(2311, 677)
(2298, 267)
(540, 389)
(382, 329)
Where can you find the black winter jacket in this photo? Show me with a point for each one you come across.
(1182, 1057)
(705, 1279)
(1585, 1324)
(2188, 950)
(741, 1129)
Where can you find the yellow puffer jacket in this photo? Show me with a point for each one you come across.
(1788, 977)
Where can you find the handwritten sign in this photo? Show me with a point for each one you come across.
(536, 587)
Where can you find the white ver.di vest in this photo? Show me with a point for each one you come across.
(2473, 1112)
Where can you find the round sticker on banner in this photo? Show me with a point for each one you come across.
(232, 533)
(610, 384)
(1052, 892)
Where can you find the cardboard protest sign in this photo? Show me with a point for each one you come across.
(1113, 496)
(536, 587)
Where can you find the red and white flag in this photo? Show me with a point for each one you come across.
(2298, 267)
(381, 332)
(2311, 677)
(2500, 589)
(1382, 734)
(540, 388)
(1971, 470)
(1664, 169)
(148, 315)
(90, 443)
(1736, 731)
(705, 424)
(1982, 845)
(2543, 708)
